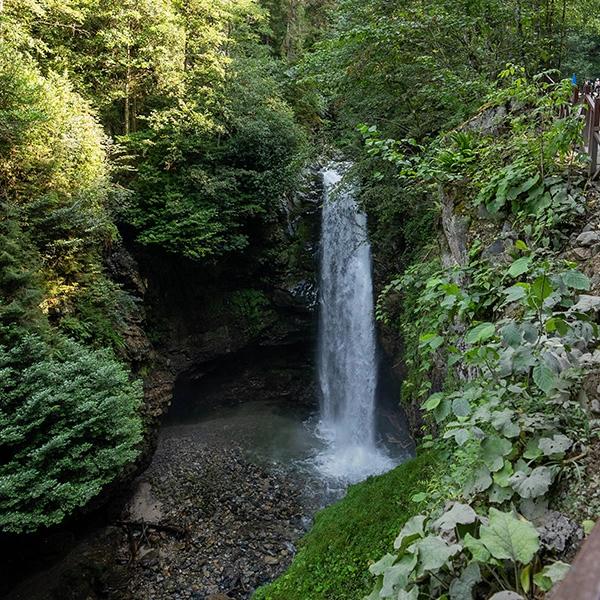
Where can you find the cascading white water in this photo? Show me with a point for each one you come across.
(347, 361)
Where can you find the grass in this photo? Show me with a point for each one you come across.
(333, 560)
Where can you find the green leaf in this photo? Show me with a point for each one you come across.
(493, 451)
(502, 421)
(536, 484)
(502, 476)
(461, 407)
(532, 450)
(419, 497)
(434, 553)
(460, 435)
(412, 530)
(433, 401)
(588, 525)
(477, 549)
(556, 445)
(508, 537)
(480, 481)
(576, 280)
(520, 266)
(540, 289)
(512, 334)
(412, 594)
(461, 588)
(506, 595)
(525, 579)
(521, 245)
(459, 514)
(499, 494)
(516, 292)
(544, 378)
(397, 575)
(557, 324)
(384, 563)
(550, 575)
(480, 333)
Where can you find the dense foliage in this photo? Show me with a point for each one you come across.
(502, 331)
(516, 332)
(166, 119)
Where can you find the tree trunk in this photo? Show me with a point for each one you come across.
(127, 91)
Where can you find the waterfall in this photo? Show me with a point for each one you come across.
(347, 354)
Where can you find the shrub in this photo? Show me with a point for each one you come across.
(68, 424)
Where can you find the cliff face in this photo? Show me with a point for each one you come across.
(194, 321)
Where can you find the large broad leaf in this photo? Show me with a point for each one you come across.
(480, 333)
(412, 594)
(502, 421)
(544, 378)
(479, 481)
(586, 304)
(576, 280)
(511, 334)
(382, 564)
(476, 547)
(434, 553)
(523, 359)
(412, 530)
(493, 451)
(540, 289)
(396, 576)
(502, 476)
(533, 509)
(461, 407)
(508, 537)
(500, 494)
(536, 484)
(461, 514)
(516, 292)
(556, 445)
(374, 595)
(460, 435)
(550, 575)
(520, 266)
(462, 587)
(506, 595)
(433, 401)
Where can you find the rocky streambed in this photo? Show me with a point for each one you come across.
(205, 521)
(216, 514)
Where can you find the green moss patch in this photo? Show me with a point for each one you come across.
(334, 556)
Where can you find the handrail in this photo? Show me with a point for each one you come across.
(591, 130)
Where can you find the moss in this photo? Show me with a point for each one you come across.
(334, 556)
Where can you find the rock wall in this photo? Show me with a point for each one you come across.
(193, 318)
